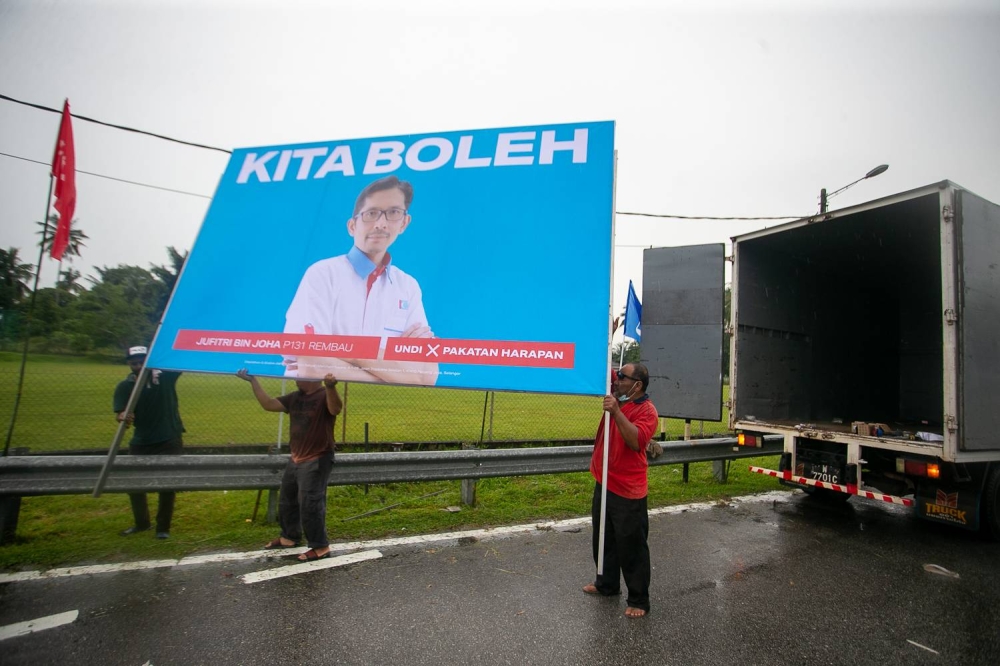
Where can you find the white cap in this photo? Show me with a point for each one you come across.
(137, 351)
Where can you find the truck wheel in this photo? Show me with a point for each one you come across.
(826, 495)
(990, 525)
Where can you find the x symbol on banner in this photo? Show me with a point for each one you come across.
(432, 349)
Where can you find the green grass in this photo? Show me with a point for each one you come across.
(66, 405)
(79, 529)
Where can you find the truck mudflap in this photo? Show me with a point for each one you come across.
(953, 506)
(849, 489)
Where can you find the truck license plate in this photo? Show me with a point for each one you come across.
(821, 472)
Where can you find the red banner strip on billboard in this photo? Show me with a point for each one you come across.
(289, 344)
(481, 352)
(422, 350)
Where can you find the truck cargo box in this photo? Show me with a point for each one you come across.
(885, 314)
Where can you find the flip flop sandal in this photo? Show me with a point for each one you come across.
(277, 545)
(311, 556)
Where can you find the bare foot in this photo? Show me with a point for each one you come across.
(591, 588)
(634, 612)
(280, 542)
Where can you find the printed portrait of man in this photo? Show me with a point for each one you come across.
(364, 293)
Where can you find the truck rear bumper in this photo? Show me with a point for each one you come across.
(849, 489)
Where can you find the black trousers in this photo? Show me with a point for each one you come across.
(165, 507)
(626, 550)
(302, 500)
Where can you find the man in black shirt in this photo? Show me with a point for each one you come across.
(158, 430)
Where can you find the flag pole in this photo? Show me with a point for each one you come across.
(607, 415)
(31, 309)
(621, 352)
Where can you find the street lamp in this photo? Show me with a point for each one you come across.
(823, 197)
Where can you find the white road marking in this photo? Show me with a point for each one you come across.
(20, 576)
(923, 647)
(232, 557)
(306, 567)
(443, 538)
(30, 626)
(108, 568)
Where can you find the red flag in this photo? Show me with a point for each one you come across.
(64, 171)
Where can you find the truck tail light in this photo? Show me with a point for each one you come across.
(744, 439)
(919, 468)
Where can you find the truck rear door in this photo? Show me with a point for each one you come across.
(682, 329)
(978, 322)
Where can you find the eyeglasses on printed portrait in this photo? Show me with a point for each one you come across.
(374, 214)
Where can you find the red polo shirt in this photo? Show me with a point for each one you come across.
(626, 468)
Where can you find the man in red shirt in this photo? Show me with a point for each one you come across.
(634, 421)
(312, 412)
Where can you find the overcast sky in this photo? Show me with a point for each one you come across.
(738, 108)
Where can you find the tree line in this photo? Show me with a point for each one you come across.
(119, 307)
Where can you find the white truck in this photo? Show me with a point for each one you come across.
(869, 338)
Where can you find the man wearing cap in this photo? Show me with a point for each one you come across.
(158, 430)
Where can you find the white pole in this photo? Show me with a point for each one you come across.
(607, 415)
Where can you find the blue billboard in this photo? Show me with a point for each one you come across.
(474, 259)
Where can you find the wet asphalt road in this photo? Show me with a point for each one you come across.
(778, 581)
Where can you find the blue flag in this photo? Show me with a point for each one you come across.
(633, 315)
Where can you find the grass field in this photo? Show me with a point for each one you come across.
(66, 405)
(83, 530)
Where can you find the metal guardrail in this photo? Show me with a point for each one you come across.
(66, 475)
(23, 476)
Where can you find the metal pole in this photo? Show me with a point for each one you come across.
(272, 494)
(607, 375)
(482, 427)
(343, 418)
(31, 309)
(687, 438)
(489, 433)
(140, 381)
(604, 493)
(822, 200)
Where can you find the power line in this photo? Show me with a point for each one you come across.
(121, 127)
(228, 152)
(709, 217)
(205, 196)
(120, 180)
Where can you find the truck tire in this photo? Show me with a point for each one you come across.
(990, 504)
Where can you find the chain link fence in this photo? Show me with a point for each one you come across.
(65, 406)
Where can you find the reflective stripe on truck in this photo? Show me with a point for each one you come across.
(850, 489)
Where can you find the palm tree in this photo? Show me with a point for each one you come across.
(69, 281)
(168, 274)
(76, 236)
(14, 277)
